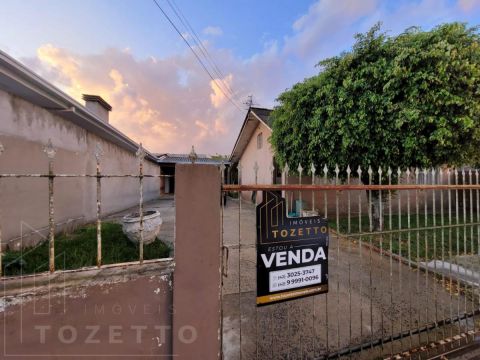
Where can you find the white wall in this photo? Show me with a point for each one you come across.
(263, 157)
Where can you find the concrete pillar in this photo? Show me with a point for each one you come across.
(197, 275)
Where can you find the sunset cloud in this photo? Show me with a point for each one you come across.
(169, 103)
(220, 91)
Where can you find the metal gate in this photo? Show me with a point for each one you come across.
(403, 267)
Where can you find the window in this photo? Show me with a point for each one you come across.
(259, 141)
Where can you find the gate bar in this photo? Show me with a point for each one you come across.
(398, 336)
(297, 187)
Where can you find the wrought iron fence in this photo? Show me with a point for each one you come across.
(404, 272)
(51, 175)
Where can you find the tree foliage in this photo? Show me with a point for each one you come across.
(408, 100)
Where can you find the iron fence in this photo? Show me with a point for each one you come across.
(404, 268)
(51, 175)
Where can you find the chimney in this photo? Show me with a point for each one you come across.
(97, 106)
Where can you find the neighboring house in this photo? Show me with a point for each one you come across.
(252, 150)
(32, 111)
(167, 164)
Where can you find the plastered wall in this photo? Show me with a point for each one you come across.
(24, 130)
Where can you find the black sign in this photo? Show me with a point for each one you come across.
(292, 253)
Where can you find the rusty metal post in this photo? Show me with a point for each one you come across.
(286, 169)
(2, 149)
(51, 151)
(98, 155)
(255, 170)
(300, 171)
(312, 171)
(141, 155)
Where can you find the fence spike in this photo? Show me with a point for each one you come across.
(380, 171)
(348, 170)
(312, 169)
(140, 154)
(255, 167)
(408, 172)
(300, 169)
(192, 156)
(98, 151)
(370, 171)
(325, 169)
(399, 172)
(389, 171)
(49, 149)
(286, 168)
(271, 168)
(337, 170)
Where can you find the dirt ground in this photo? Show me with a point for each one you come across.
(370, 296)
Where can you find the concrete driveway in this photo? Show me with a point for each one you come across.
(370, 297)
(166, 205)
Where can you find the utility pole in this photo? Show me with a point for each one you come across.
(249, 101)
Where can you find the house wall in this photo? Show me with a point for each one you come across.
(24, 130)
(263, 157)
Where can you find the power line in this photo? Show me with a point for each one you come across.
(203, 49)
(196, 55)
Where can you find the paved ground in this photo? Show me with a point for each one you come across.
(370, 296)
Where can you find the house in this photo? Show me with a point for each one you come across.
(252, 153)
(32, 112)
(167, 164)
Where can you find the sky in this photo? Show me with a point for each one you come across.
(127, 52)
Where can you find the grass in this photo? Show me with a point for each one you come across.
(424, 244)
(79, 249)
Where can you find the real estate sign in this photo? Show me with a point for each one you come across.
(292, 253)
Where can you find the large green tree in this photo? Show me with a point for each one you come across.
(404, 101)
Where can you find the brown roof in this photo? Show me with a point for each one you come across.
(264, 115)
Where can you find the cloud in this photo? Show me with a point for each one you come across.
(213, 31)
(220, 91)
(467, 5)
(170, 103)
(325, 23)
